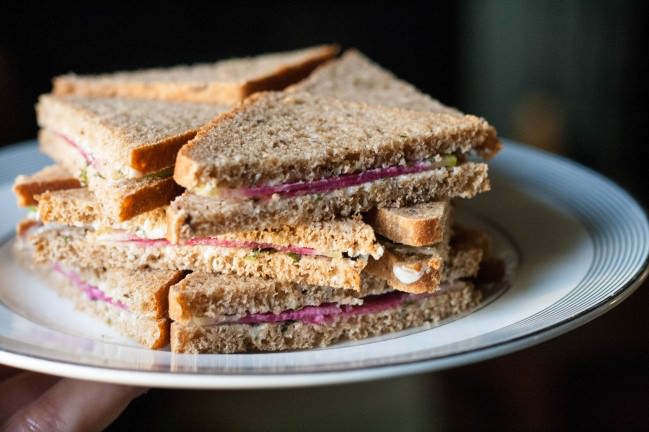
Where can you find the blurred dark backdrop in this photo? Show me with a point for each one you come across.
(569, 77)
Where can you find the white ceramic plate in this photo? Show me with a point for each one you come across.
(576, 243)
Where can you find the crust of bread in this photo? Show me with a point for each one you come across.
(24, 226)
(50, 178)
(120, 202)
(78, 246)
(134, 137)
(192, 215)
(277, 138)
(231, 338)
(418, 225)
(121, 199)
(227, 81)
(127, 199)
(456, 257)
(356, 78)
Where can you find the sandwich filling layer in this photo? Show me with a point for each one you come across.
(256, 247)
(93, 292)
(325, 313)
(328, 184)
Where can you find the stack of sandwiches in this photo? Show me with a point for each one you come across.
(286, 201)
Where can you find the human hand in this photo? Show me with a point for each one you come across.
(34, 402)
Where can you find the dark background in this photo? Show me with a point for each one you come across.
(569, 77)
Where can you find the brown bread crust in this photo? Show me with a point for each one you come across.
(191, 215)
(227, 81)
(276, 138)
(50, 178)
(127, 199)
(429, 262)
(231, 338)
(418, 225)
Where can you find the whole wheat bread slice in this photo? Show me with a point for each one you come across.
(192, 215)
(50, 178)
(276, 138)
(81, 207)
(293, 335)
(226, 81)
(418, 225)
(354, 77)
(124, 138)
(81, 247)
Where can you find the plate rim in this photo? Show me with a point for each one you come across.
(268, 379)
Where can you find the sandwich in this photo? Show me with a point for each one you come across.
(310, 216)
(123, 150)
(225, 82)
(133, 303)
(214, 313)
(293, 158)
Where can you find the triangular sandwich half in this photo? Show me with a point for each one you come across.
(135, 304)
(290, 158)
(226, 81)
(124, 150)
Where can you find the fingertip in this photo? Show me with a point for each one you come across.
(72, 405)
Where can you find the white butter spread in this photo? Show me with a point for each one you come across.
(407, 275)
(152, 230)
